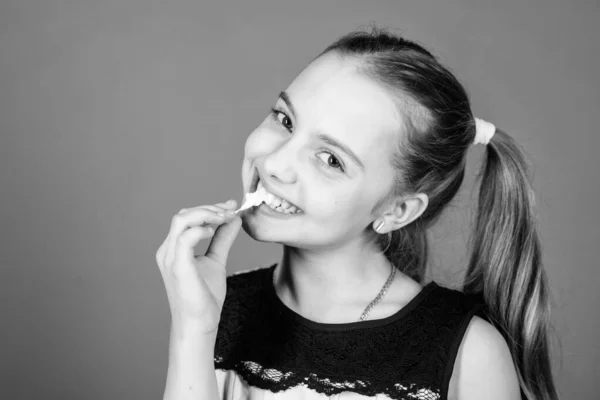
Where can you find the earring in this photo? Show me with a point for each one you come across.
(379, 226)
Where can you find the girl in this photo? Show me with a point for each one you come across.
(359, 156)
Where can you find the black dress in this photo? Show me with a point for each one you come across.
(265, 350)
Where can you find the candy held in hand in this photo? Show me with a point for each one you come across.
(252, 199)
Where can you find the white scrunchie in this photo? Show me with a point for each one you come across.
(484, 131)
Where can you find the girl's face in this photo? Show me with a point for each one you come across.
(325, 148)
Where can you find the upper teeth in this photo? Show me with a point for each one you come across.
(274, 202)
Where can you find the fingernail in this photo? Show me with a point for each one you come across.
(230, 212)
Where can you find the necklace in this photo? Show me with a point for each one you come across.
(380, 295)
(377, 299)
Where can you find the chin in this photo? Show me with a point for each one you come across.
(254, 230)
(260, 234)
(250, 229)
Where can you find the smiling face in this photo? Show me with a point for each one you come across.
(293, 151)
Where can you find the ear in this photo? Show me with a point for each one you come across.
(405, 211)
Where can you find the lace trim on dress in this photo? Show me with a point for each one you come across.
(404, 358)
(275, 381)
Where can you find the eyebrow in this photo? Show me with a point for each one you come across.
(323, 137)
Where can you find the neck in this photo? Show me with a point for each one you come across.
(330, 286)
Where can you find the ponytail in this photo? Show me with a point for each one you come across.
(505, 267)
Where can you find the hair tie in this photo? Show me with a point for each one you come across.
(483, 131)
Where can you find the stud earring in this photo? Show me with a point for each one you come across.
(379, 226)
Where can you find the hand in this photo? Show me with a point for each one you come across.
(196, 286)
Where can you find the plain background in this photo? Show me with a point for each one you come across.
(116, 114)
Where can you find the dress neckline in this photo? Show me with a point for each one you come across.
(322, 326)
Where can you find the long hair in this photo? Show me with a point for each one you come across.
(505, 268)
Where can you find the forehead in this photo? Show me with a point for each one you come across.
(331, 96)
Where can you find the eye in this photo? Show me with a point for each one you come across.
(281, 118)
(335, 164)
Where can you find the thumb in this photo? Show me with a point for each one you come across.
(223, 239)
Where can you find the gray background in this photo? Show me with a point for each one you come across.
(116, 114)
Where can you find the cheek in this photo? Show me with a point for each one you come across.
(347, 208)
(252, 145)
(246, 173)
(333, 206)
(261, 140)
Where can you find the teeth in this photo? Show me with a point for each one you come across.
(274, 202)
(276, 208)
(269, 198)
(285, 204)
(291, 210)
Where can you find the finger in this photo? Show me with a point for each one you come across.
(166, 253)
(185, 243)
(215, 207)
(197, 217)
(160, 254)
(230, 204)
(223, 239)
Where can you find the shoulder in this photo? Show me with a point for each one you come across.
(248, 276)
(251, 271)
(484, 366)
(247, 285)
(243, 304)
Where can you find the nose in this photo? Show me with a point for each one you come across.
(280, 164)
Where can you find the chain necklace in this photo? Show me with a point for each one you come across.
(380, 295)
(377, 299)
